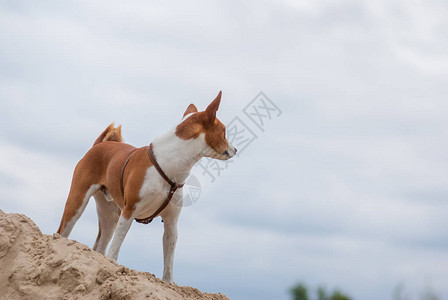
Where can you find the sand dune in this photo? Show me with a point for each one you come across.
(38, 266)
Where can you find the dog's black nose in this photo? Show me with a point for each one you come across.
(236, 150)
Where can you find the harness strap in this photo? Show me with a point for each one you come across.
(157, 166)
(174, 187)
(122, 171)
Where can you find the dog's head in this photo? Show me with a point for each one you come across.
(205, 126)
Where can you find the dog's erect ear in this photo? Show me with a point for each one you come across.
(190, 109)
(212, 108)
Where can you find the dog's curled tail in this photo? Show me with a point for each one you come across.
(111, 133)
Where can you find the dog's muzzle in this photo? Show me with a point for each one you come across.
(231, 151)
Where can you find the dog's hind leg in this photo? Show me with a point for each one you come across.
(108, 214)
(74, 207)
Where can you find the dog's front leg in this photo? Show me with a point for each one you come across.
(120, 233)
(169, 245)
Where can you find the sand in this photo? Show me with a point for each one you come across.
(39, 266)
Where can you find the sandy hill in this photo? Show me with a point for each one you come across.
(39, 266)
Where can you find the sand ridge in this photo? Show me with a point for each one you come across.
(39, 266)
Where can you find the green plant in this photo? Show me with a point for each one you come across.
(300, 292)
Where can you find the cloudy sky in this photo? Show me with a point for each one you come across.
(347, 187)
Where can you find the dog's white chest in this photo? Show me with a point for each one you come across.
(153, 193)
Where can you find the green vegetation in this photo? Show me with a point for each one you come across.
(300, 292)
(400, 293)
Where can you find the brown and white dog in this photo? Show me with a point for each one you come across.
(128, 187)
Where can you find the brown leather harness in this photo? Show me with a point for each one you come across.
(174, 186)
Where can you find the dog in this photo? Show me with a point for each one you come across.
(130, 183)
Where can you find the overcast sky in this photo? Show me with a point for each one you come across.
(346, 185)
